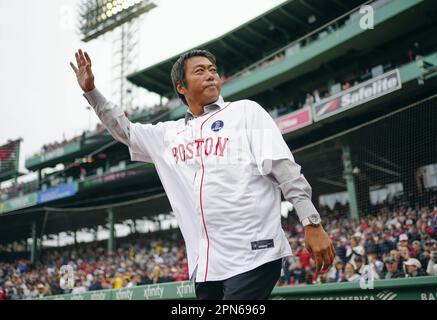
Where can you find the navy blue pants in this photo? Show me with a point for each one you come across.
(256, 284)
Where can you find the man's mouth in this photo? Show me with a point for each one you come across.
(210, 85)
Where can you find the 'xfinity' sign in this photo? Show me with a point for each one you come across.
(359, 94)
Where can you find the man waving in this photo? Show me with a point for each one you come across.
(223, 167)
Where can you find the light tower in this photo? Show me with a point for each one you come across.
(98, 17)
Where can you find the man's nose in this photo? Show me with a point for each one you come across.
(209, 75)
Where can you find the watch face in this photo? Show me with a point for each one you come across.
(314, 219)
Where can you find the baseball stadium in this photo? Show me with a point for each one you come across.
(352, 87)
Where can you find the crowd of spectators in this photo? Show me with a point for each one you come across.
(56, 145)
(152, 259)
(396, 242)
(323, 92)
(18, 189)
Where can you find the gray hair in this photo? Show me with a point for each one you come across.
(178, 69)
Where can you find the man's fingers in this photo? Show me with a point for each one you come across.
(309, 250)
(330, 256)
(317, 259)
(73, 67)
(87, 58)
(83, 59)
(333, 252)
(79, 64)
(333, 249)
(326, 259)
(319, 262)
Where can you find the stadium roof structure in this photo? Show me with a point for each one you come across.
(52, 220)
(241, 46)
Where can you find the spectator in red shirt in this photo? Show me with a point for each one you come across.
(305, 257)
(416, 249)
(2, 294)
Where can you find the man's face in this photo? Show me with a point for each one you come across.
(349, 269)
(392, 266)
(371, 257)
(358, 263)
(203, 81)
(431, 247)
(411, 269)
(395, 254)
(405, 252)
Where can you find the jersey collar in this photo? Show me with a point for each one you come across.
(218, 104)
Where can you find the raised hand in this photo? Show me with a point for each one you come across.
(83, 71)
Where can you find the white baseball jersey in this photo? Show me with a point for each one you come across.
(214, 170)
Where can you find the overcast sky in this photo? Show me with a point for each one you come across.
(40, 100)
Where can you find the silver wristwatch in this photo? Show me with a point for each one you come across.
(313, 220)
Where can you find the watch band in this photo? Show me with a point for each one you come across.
(307, 221)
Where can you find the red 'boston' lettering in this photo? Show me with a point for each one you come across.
(181, 148)
(219, 147)
(208, 148)
(175, 154)
(190, 150)
(185, 152)
(198, 146)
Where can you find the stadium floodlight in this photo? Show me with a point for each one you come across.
(100, 16)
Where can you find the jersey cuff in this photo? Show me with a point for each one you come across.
(304, 209)
(94, 97)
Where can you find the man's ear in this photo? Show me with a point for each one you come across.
(180, 88)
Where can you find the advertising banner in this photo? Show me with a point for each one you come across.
(25, 201)
(58, 192)
(420, 288)
(295, 120)
(359, 94)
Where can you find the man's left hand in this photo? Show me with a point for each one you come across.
(320, 247)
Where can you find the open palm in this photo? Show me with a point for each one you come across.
(83, 71)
